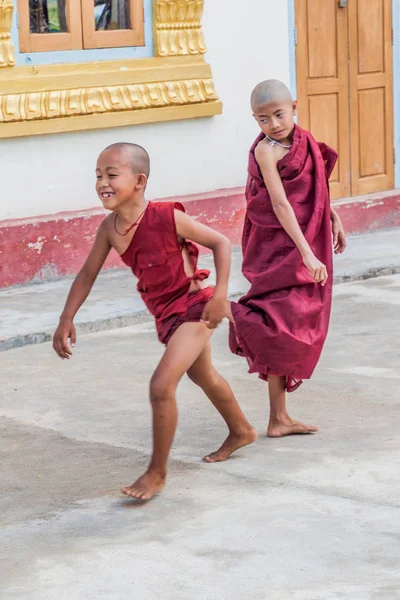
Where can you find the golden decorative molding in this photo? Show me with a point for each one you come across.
(7, 58)
(88, 101)
(177, 29)
(175, 84)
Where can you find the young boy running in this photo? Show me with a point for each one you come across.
(281, 324)
(155, 240)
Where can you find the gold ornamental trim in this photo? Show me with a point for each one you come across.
(88, 101)
(7, 58)
(175, 84)
(178, 27)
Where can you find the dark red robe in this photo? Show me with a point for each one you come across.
(282, 322)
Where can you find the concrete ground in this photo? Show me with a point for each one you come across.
(29, 314)
(301, 518)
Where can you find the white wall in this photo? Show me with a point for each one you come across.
(48, 174)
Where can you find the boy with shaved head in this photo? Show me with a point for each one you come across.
(155, 239)
(281, 324)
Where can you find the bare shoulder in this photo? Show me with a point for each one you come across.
(265, 154)
(181, 216)
(106, 228)
(107, 223)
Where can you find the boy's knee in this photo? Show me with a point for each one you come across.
(161, 389)
(210, 378)
(193, 376)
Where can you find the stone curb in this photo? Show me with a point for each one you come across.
(143, 316)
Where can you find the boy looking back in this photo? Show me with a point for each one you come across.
(281, 324)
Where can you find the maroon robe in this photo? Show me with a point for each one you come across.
(282, 322)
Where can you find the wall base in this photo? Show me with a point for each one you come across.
(49, 247)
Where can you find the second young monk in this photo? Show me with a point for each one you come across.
(155, 240)
(281, 324)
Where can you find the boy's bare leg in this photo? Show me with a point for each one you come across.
(183, 349)
(217, 389)
(280, 424)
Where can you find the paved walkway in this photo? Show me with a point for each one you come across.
(29, 314)
(301, 518)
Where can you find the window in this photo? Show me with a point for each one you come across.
(90, 92)
(48, 25)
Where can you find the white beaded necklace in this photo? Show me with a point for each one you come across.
(273, 142)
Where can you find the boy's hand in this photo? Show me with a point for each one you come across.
(316, 269)
(339, 236)
(215, 310)
(65, 330)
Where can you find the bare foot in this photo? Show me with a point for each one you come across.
(289, 427)
(232, 443)
(146, 486)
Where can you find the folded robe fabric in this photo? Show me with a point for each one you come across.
(282, 322)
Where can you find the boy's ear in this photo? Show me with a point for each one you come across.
(294, 105)
(141, 181)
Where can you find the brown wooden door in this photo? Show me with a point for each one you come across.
(345, 88)
(371, 95)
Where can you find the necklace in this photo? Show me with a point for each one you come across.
(131, 226)
(273, 142)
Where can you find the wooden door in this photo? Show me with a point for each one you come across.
(322, 81)
(344, 85)
(371, 95)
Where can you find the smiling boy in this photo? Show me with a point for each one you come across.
(155, 239)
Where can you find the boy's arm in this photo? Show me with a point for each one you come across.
(79, 291)
(267, 161)
(338, 232)
(218, 307)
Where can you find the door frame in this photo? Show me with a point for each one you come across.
(396, 73)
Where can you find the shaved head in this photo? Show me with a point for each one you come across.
(134, 154)
(268, 92)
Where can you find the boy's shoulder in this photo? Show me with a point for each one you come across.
(161, 215)
(267, 154)
(164, 209)
(324, 153)
(323, 146)
(107, 223)
(166, 205)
